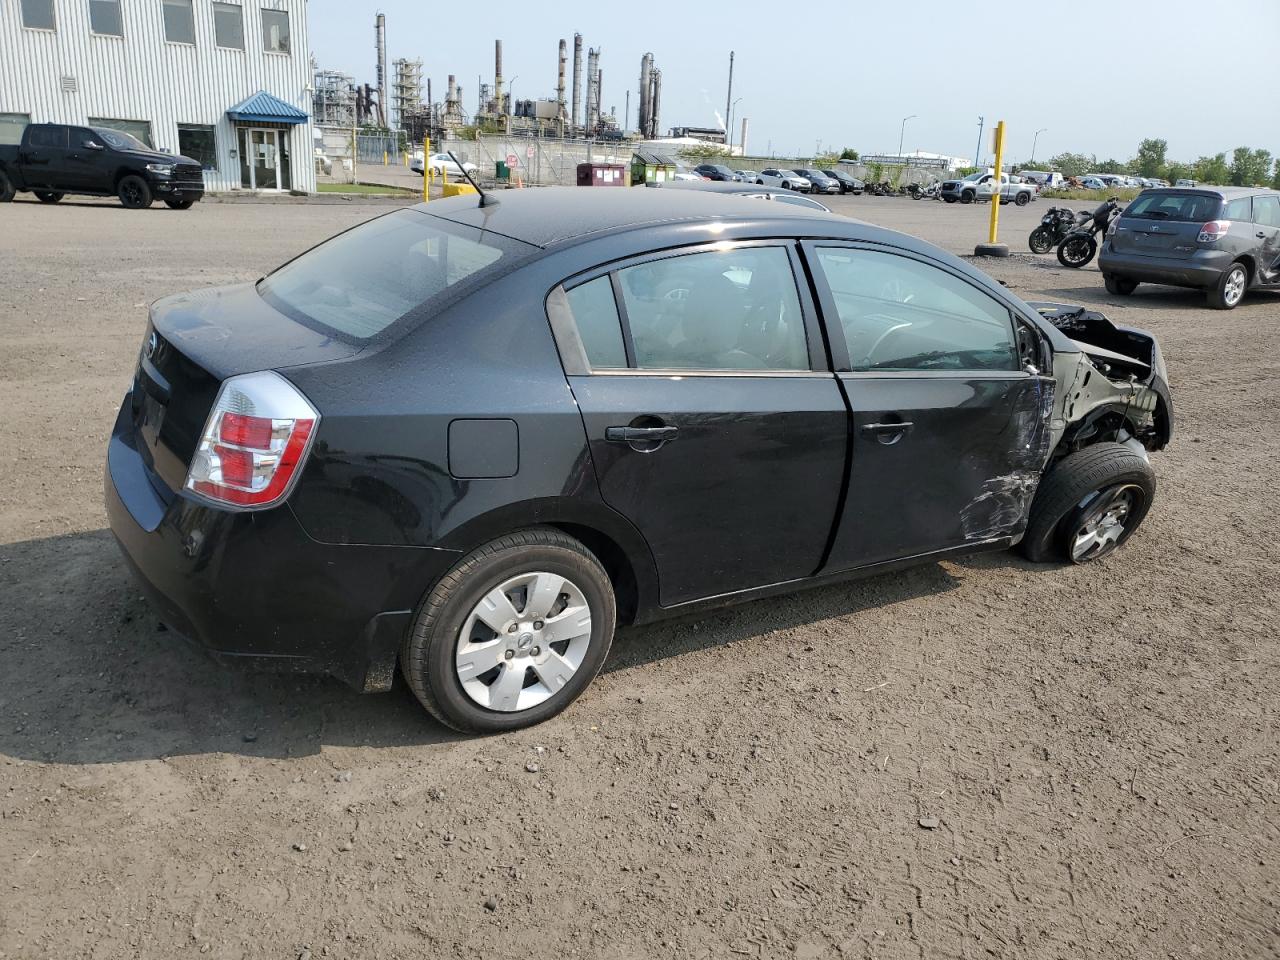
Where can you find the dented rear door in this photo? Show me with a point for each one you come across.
(949, 431)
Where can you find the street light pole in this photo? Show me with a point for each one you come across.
(903, 133)
(729, 125)
(982, 121)
(1033, 142)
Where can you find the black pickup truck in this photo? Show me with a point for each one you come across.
(55, 159)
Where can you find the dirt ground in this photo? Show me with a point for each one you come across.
(1097, 745)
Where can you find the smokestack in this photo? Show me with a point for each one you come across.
(655, 102)
(564, 56)
(589, 115)
(599, 93)
(380, 31)
(646, 80)
(451, 95)
(577, 81)
(728, 100)
(497, 76)
(742, 144)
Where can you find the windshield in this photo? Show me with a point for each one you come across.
(1191, 207)
(361, 282)
(974, 177)
(120, 140)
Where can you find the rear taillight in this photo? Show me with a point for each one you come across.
(1212, 230)
(254, 443)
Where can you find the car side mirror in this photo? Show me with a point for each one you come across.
(92, 145)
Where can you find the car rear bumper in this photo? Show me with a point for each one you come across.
(253, 587)
(1202, 269)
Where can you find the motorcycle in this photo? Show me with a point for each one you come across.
(929, 192)
(1054, 226)
(1080, 244)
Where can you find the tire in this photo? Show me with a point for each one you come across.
(429, 655)
(1041, 240)
(179, 204)
(134, 193)
(1120, 286)
(1080, 490)
(6, 188)
(967, 197)
(1022, 199)
(48, 196)
(949, 199)
(1076, 251)
(1227, 293)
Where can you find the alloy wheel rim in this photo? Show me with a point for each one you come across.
(523, 641)
(1104, 526)
(1234, 288)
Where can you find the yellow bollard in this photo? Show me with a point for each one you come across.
(993, 247)
(426, 180)
(384, 158)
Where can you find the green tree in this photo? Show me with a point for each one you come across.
(1151, 159)
(1175, 171)
(1275, 179)
(1212, 169)
(1072, 164)
(1111, 166)
(1249, 167)
(848, 153)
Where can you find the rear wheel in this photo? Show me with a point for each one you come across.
(6, 188)
(1022, 199)
(1076, 251)
(1229, 290)
(1120, 286)
(512, 634)
(1089, 504)
(48, 196)
(179, 204)
(1041, 240)
(134, 192)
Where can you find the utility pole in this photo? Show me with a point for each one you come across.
(902, 134)
(982, 121)
(1034, 140)
(728, 100)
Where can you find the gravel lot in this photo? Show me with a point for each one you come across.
(1093, 748)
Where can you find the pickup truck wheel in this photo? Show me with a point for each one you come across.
(967, 197)
(1022, 199)
(134, 192)
(949, 199)
(1089, 504)
(512, 634)
(179, 204)
(48, 196)
(6, 188)
(1229, 290)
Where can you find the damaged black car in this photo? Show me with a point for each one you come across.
(468, 440)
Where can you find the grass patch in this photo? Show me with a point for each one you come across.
(365, 189)
(1124, 193)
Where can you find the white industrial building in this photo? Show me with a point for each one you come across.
(226, 83)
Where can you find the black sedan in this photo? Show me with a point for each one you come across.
(717, 171)
(467, 440)
(848, 182)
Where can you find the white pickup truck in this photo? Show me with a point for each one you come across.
(980, 186)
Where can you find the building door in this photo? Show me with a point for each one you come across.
(260, 159)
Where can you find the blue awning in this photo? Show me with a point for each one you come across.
(262, 107)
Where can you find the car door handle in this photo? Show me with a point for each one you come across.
(641, 434)
(1260, 235)
(888, 433)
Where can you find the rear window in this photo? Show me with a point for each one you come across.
(361, 282)
(1191, 207)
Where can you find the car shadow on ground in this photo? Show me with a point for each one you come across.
(1151, 296)
(88, 675)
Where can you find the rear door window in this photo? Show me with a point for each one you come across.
(1266, 211)
(595, 313)
(48, 137)
(902, 314)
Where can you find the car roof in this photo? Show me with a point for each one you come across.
(1227, 193)
(547, 216)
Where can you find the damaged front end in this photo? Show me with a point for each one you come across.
(1115, 389)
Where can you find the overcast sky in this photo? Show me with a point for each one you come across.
(1098, 74)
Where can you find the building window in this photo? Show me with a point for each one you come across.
(104, 18)
(275, 31)
(11, 127)
(199, 143)
(38, 15)
(228, 25)
(179, 22)
(138, 129)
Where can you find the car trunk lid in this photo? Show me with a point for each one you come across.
(195, 341)
(1164, 224)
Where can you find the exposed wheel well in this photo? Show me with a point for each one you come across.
(1249, 266)
(616, 564)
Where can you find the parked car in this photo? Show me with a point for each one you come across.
(981, 186)
(55, 159)
(1223, 240)
(819, 182)
(751, 192)
(787, 179)
(1187, 183)
(440, 164)
(734, 438)
(688, 176)
(716, 171)
(848, 183)
(1043, 179)
(748, 176)
(1093, 183)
